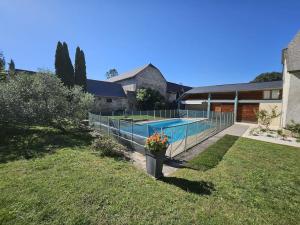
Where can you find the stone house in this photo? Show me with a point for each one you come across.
(147, 76)
(108, 96)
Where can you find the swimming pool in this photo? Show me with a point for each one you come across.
(175, 129)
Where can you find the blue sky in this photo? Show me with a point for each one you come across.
(191, 41)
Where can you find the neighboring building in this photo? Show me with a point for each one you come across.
(148, 76)
(108, 96)
(246, 98)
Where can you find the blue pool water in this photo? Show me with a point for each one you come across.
(175, 129)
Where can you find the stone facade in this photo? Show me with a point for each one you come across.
(108, 104)
(291, 82)
(149, 77)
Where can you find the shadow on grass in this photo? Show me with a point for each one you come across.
(197, 187)
(26, 143)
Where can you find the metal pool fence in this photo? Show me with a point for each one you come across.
(132, 128)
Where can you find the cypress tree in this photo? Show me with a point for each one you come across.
(68, 72)
(59, 68)
(80, 69)
(12, 68)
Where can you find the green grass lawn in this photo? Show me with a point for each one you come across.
(255, 183)
(213, 154)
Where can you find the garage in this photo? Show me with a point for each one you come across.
(247, 112)
(222, 107)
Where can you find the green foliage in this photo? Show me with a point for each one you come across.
(80, 69)
(111, 73)
(42, 100)
(3, 73)
(63, 65)
(148, 99)
(265, 117)
(294, 128)
(211, 156)
(11, 68)
(107, 146)
(264, 77)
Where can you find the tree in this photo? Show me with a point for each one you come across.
(264, 77)
(147, 98)
(11, 68)
(80, 69)
(63, 64)
(2, 67)
(42, 99)
(111, 73)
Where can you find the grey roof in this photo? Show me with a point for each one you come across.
(173, 87)
(105, 89)
(129, 74)
(292, 54)
(237, 87)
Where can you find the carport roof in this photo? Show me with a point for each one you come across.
(237, 87)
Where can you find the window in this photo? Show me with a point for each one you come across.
(275, 94)
(108, 100)
(267, 94)
(271, 94)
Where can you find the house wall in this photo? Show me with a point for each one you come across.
(152, 78)
(276, 123)
(293, 99)
(128, 84)
(201, 107)
(101, 104)
(171, 97)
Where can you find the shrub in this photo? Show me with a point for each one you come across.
(41, 99)
(294, 128)
(265, 117)
(147, 98)
(107, 146)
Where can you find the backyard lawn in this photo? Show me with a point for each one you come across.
(48, 177)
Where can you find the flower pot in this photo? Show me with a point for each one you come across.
(154, 163)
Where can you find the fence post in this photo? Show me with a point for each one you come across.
(154, 113)
(160, 113)
(108, 125)
(119, 131)
(131, 130)
(186, 132)
(100, 120)
(171, 147)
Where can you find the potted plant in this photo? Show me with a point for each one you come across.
(156, 147)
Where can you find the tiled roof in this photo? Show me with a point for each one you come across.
(129, 74)
(103, 88)
(173, 87)
(237, 87)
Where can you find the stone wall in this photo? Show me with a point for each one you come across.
(102, 105)
(152, 78)
(293, 104)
